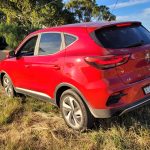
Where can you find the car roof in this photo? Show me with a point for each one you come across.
(78, 26)
(95, 24)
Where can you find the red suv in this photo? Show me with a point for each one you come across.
(89, 70)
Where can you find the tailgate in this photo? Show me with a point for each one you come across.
(128, 39)
(137, 68)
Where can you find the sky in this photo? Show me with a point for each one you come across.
(126, 10)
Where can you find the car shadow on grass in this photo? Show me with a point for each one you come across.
(136, 118)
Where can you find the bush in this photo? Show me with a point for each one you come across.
(14, 34)
(3, 43)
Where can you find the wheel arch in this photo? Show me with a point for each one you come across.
(1, 77)
(2, 73)
(65, 86)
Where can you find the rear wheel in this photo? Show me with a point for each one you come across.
(8, 87)
(75, 112)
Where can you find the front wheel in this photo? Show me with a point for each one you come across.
(8, 87)
(75, 112)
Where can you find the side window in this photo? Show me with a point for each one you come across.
(28, 48)
(50, 43)
(69, 39)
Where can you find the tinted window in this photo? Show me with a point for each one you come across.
(123, 37)
(69, 39)
(28, 48)
(50, 43)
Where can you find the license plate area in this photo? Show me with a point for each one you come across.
(146, 89)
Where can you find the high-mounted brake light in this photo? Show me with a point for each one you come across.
(124, 24)
(106, 62)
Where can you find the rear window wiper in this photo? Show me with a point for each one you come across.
(136, 44)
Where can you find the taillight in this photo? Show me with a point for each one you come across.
(106, 62)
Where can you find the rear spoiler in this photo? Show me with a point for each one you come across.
(114, 23)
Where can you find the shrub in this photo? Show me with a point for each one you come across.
(14, 34)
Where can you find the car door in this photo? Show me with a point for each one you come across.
(17, 67)
(45, 69)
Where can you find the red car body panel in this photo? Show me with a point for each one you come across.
(45, 73)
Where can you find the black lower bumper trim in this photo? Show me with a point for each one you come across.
(107, 113)
(135, 105)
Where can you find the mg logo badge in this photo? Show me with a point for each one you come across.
(147, 57)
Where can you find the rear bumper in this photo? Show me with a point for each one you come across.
(107, 113)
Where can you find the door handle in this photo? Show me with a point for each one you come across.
(56, 67)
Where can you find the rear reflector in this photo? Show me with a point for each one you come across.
(113, 99)
(106, 62)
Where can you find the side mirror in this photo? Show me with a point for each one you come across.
(12, 53)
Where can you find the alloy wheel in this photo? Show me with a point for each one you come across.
(8, 86)
(72, 112)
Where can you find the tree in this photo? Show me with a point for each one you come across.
(36, 13)
(105, 14)
(87, 10)
(2, 17)
(13, 34)
(20, 17)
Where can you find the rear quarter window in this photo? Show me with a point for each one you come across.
(69, 39)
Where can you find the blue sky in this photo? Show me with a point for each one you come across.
(138, 10)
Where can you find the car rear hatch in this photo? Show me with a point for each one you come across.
(127, 39)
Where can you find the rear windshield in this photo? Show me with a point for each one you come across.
(123, 37)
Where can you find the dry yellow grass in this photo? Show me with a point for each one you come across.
(35, 125)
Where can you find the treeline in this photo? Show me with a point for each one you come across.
(19, 17)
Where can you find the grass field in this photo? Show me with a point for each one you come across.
(34, 125)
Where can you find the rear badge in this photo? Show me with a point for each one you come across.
(147, 57)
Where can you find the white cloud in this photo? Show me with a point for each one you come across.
(146, 11)
(143, 16)
(128, 3)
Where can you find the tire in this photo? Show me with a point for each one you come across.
(75, 112)
(8, 86)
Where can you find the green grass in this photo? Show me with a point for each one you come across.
(31, 124)
(8, 108)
